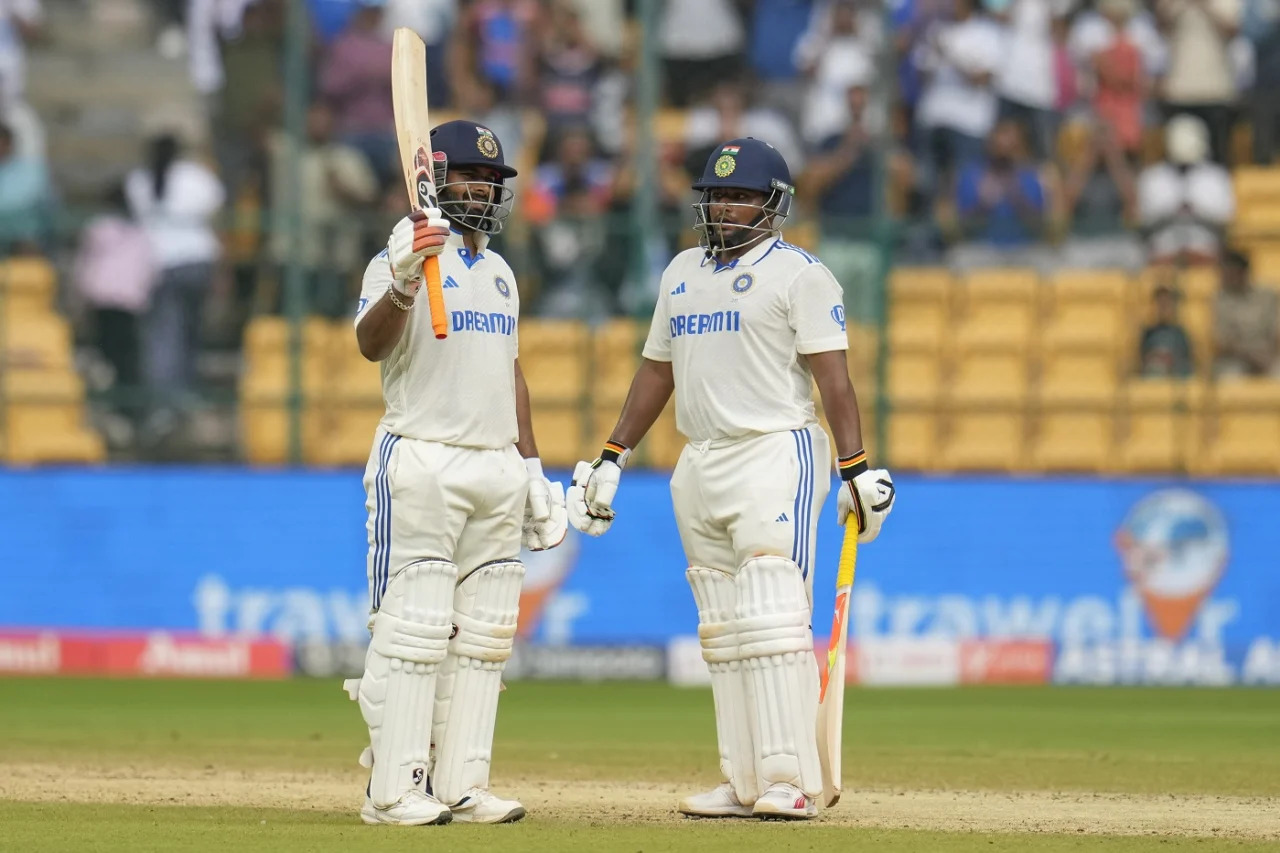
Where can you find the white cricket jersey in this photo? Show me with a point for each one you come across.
(460, 390)
(734, 334)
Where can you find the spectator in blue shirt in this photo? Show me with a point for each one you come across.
(1000, 200)
(25, 198)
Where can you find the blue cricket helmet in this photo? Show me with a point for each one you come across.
(743, 164)
(746, 164)
(466, 143)
(462, 143)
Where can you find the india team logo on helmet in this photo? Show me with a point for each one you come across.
(725, 166)
(1174, 547)
(487, 143)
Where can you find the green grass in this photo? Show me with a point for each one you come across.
(35, 828)
(1113, 740)
(1143, 740)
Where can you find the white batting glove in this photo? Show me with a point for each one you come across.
(545, 518)
(869, 498)
(419, 235)
(541, 535)
(590, 497)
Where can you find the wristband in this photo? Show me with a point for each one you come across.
(615, 452)
(852, 466)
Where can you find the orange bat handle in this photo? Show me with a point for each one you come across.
(435, 297)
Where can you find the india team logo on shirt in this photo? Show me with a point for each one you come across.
(743, 283)
(503, 287)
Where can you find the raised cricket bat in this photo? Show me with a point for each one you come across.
(413, 131)
(831, 697)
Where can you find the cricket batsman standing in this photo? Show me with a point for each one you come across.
(742, 328)
(454, 485)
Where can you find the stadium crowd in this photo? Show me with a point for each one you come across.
(1043, 133)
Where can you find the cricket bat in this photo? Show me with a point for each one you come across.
(413, 132)
(831, 697)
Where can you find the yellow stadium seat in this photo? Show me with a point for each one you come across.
(917, 326)
(1084, 326)
(1074, 441)
(1162, 426)
(274, 334)
(1096, 287)
(266, 432)
(1002, 285)
(560, 435)
(43, 342)
(1247, 435)
(996, 326)
(28, 274)
(1195, 283)
(917, 284)
(1264, 264)
(616, 355)
(554, 358)
(994, 378)
(356, 381)
(663, 444)
(43, 418)
(1078, 378)
(984, 441)
(914, 378)
(269, 375)
(1256, 183)
(913, 438)
(350, 427)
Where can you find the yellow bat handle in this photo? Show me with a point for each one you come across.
(848, 557)
(435, 297)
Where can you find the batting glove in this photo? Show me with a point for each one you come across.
(545, 517)
(866, 493)
(419, 235)
(590, 497)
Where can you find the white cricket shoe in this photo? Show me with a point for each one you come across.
(784, 801)
(413, 809)
(718, 802)
(481, 806)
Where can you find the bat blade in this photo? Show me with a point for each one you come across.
(413, 135)
(831, 697)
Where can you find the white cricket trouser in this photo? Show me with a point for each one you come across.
(761, 495)
(428, 500)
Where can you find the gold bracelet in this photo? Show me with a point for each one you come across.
(396, 302)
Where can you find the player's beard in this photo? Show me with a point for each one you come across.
(727, 236)
(468, 199)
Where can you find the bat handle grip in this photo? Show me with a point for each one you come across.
(435, 297)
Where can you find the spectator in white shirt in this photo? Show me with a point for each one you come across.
(20, 22)
(1026, 82)
(957, 109)
(702, 43)
(1202, 75)
(176, 201)
(1185, 202)
(838, 51)
(728, 114)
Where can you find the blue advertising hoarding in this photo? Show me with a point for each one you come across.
(1134, 581)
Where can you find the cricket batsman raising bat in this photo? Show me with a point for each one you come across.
(453, 488)
(743, 327)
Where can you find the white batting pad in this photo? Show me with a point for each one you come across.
(485, 605)
(776, 647)
(410, 639)
(716, 596)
